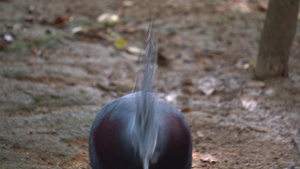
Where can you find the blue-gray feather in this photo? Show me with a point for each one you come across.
(145, 128)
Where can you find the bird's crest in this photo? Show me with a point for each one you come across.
(146, 130)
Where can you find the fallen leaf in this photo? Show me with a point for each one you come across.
(163, 59)
(208, 85)
(242, 64)
(248, 65)
(129, 56)
(135, 50)
(261, 27)
(249, 104)
(208, 158)
(60, 21)
(128, 3)
(108, 19)
(77, 29)
(8, 37)
(89, 31)
(199, 134)
(175, 63)
(205, 64)
(189, 90)
(256, 84)
(120, 43)
(186, 109)
(270, 91)
(3, 43)
(262, 6)
(241, 6)
(188, 82)
(129, 28)
(124, 85)
(34, 51)
(108, 88)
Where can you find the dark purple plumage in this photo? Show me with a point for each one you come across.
(140, 131)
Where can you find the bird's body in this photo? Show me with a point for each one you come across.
(113, 132)
(140, 131)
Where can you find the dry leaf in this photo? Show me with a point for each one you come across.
(135, 50)
(186, 109)
(8, 37)
(188, 82)
(248, 65)
(256, 84)
(128, 3)
(163, 59)
(208, 85)
(249, 104)
(208, 158)
(189, 90)
(34, 51)
(108, 19)
(90, 31)
(120, 43)
(199, 134)
(60, 21)
(262, 6)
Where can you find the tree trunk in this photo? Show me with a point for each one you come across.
(276, 39)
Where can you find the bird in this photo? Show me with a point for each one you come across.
(139, 130)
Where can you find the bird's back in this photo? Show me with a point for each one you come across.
(112, 139)
(107, 144)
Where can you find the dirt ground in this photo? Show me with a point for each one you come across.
(54, 81)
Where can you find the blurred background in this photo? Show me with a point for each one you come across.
(62, 60)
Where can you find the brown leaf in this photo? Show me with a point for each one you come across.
(188, 82)
(189, 90)
(129, 28)
(162, 58)
(262, 6)
(60, 21)
(3, 43)
(91, 32)
(34, 51)
(176, 62)
(186, 109)
(256, 84)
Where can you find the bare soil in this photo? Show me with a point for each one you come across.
(53, 82)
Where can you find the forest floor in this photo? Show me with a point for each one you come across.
(54, 79)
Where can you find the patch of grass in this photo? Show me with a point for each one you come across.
(20, 45)
(83, 22)
(37, 98)
(46, 41)
(18, 75)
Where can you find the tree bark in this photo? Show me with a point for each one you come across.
(276, 39)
